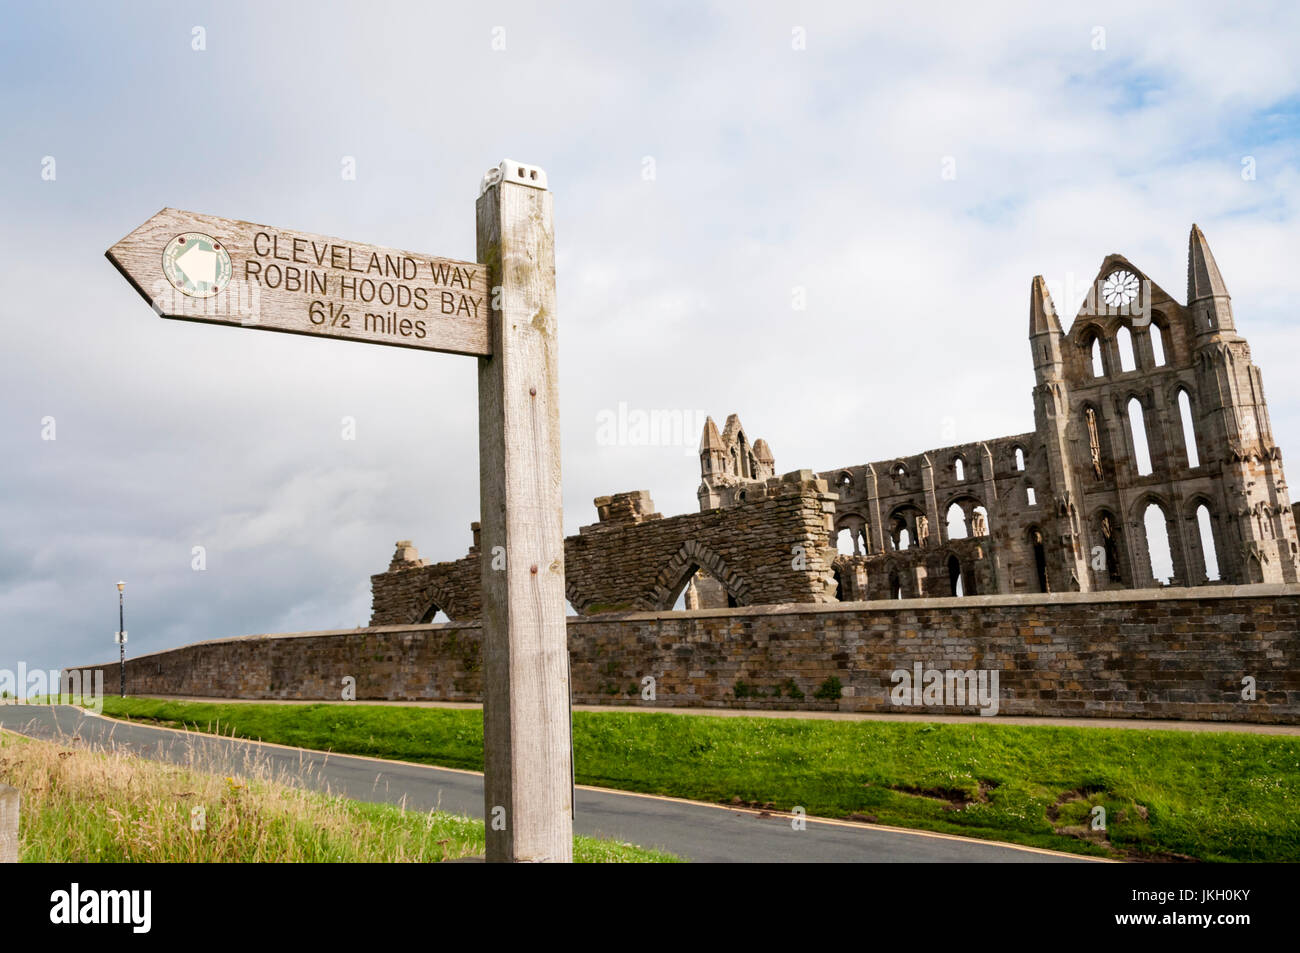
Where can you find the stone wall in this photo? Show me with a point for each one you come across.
(773, 548)
(413, 590)
(1171, 653)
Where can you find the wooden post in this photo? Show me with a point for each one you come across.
(8, 824)
(527, 769)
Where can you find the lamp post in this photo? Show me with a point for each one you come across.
(121, 635)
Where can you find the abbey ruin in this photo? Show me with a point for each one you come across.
(807, 590)
(1149, 421)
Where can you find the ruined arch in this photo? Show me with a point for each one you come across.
(967, 504)
(1159, 536)
(904, 530)
(576, 599)
(1135, 412)
(1186, 404)
(1038, 548)
(953, 565)
(1203, 529)
(850, 583)
(1157, 335)
(677, 572)
(1094, 443)
(438, 597)
(894, 577)
(859, 530)
(1092, 342)
(1107, 532)
(1127, 352)
(960, 574)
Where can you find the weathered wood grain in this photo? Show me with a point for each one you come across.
(303, 283)
(526, 728)
(9, 801)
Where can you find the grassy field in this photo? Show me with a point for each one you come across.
(1167, 794)
(79, 805)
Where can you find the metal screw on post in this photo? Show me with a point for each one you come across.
(121, 635)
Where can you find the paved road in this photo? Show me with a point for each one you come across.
(698, 832)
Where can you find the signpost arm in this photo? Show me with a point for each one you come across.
(526, 726)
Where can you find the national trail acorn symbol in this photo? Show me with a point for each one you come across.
(196, 265)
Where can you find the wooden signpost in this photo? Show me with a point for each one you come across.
(203, 268)
(500, 309)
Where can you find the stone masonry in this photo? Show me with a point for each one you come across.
(1028, 555)
(1150, 421)
(1176, 653)
(770, 548)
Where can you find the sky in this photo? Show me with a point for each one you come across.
(822, 217)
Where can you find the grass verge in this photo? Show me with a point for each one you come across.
(1171, 795)
(80, 805)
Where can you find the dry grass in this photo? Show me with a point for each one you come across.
(109, 806)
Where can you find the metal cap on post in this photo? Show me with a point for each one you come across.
(526, 728)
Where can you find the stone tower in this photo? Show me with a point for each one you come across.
(1260, 525)
(1068, 564)
(728, 461)
(1166, 441)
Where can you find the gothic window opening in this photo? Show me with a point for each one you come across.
(1138, 431)
(851, 536)
(1209, 554)
(701, 589)
(956, 522)
(435, 615)
(1125, 341)
(1031, 498)
(1040, 560)
(1157, 530)
(1110, 547)
(1157, 335)
(1020, 458)
(954, 577)
(959, 468)
(1094, 442)
(1189, 429)
(908, 527)
(1098, 367)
